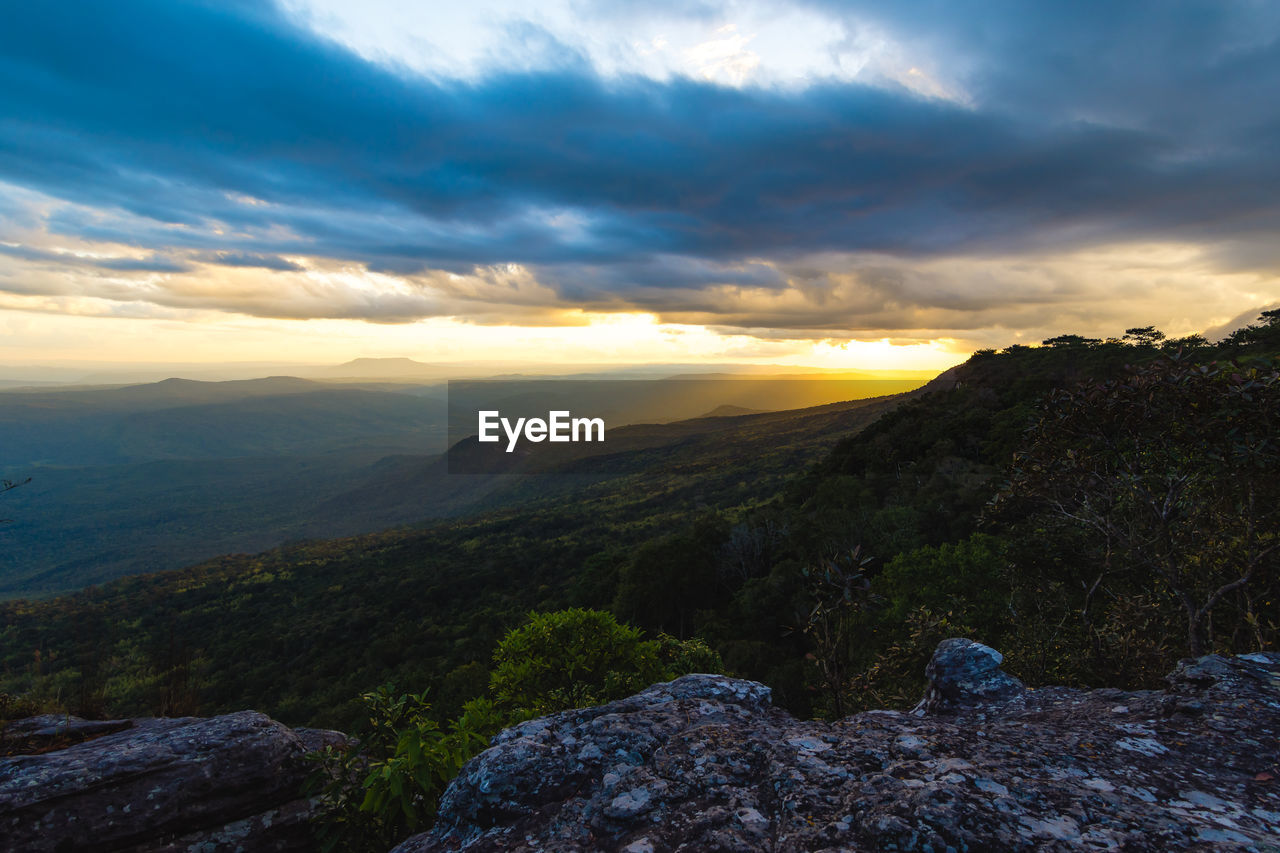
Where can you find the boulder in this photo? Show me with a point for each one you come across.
(169, 784)
(705, 763)
(965, 674)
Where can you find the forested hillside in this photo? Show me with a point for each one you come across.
(304, 629)
(822, 551)
(144, 478)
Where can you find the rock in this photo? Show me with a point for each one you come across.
(224, 783)
(1221, 676)
(965, 674)
(705, 763)
(35, 734)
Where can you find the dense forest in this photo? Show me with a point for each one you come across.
(1093, 508)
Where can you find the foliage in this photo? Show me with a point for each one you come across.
(967, 577)
(387, 785)
(900, 612)
(837, 591)
(1258, 337)
(17, 707)
(577, 657)
(673, 577)
(681, 657)
(895, 676)
(1174, 472)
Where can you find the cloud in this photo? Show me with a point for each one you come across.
(1192, 69)
(725, 58)
(1244, 318)
(153, 263)
(191, 135)
(253, 259)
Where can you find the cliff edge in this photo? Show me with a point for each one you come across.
(706, 763)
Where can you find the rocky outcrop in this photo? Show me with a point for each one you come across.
(229, 783)
(965, 674)
(705, 763)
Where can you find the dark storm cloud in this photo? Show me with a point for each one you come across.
(661, 272)
(1198, 68)
(141, 265)
(253, 260)
(227, 131)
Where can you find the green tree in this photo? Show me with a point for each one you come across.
(672, 578)
(1265, 334)
(570, 659)
(966, 578)
(578, 657)
(1070, 341)
(1143, 336)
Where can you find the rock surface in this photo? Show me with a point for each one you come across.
(223, 783)
(704, 763)
(964, 674)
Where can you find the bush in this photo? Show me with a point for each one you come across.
(571, 659)
(387, 785)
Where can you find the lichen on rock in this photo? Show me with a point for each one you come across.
(706, 763)
(232, 782)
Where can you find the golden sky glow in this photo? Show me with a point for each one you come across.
(937, 312)
(55, 338)
(857, 185)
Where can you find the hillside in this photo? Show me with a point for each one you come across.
(302, 630)
(873, 516)
(142, 478)
(380, 368)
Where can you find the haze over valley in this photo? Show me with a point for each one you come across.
(156, 476)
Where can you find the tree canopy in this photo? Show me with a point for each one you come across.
(1174, 473)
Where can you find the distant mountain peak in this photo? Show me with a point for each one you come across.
(180, 382)
(369, 361)
(368, 368)
(731, 411)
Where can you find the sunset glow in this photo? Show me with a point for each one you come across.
(825, 184)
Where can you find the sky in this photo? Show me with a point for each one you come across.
(837, 184)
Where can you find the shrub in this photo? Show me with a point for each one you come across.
(388, 783)
(570, 659)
